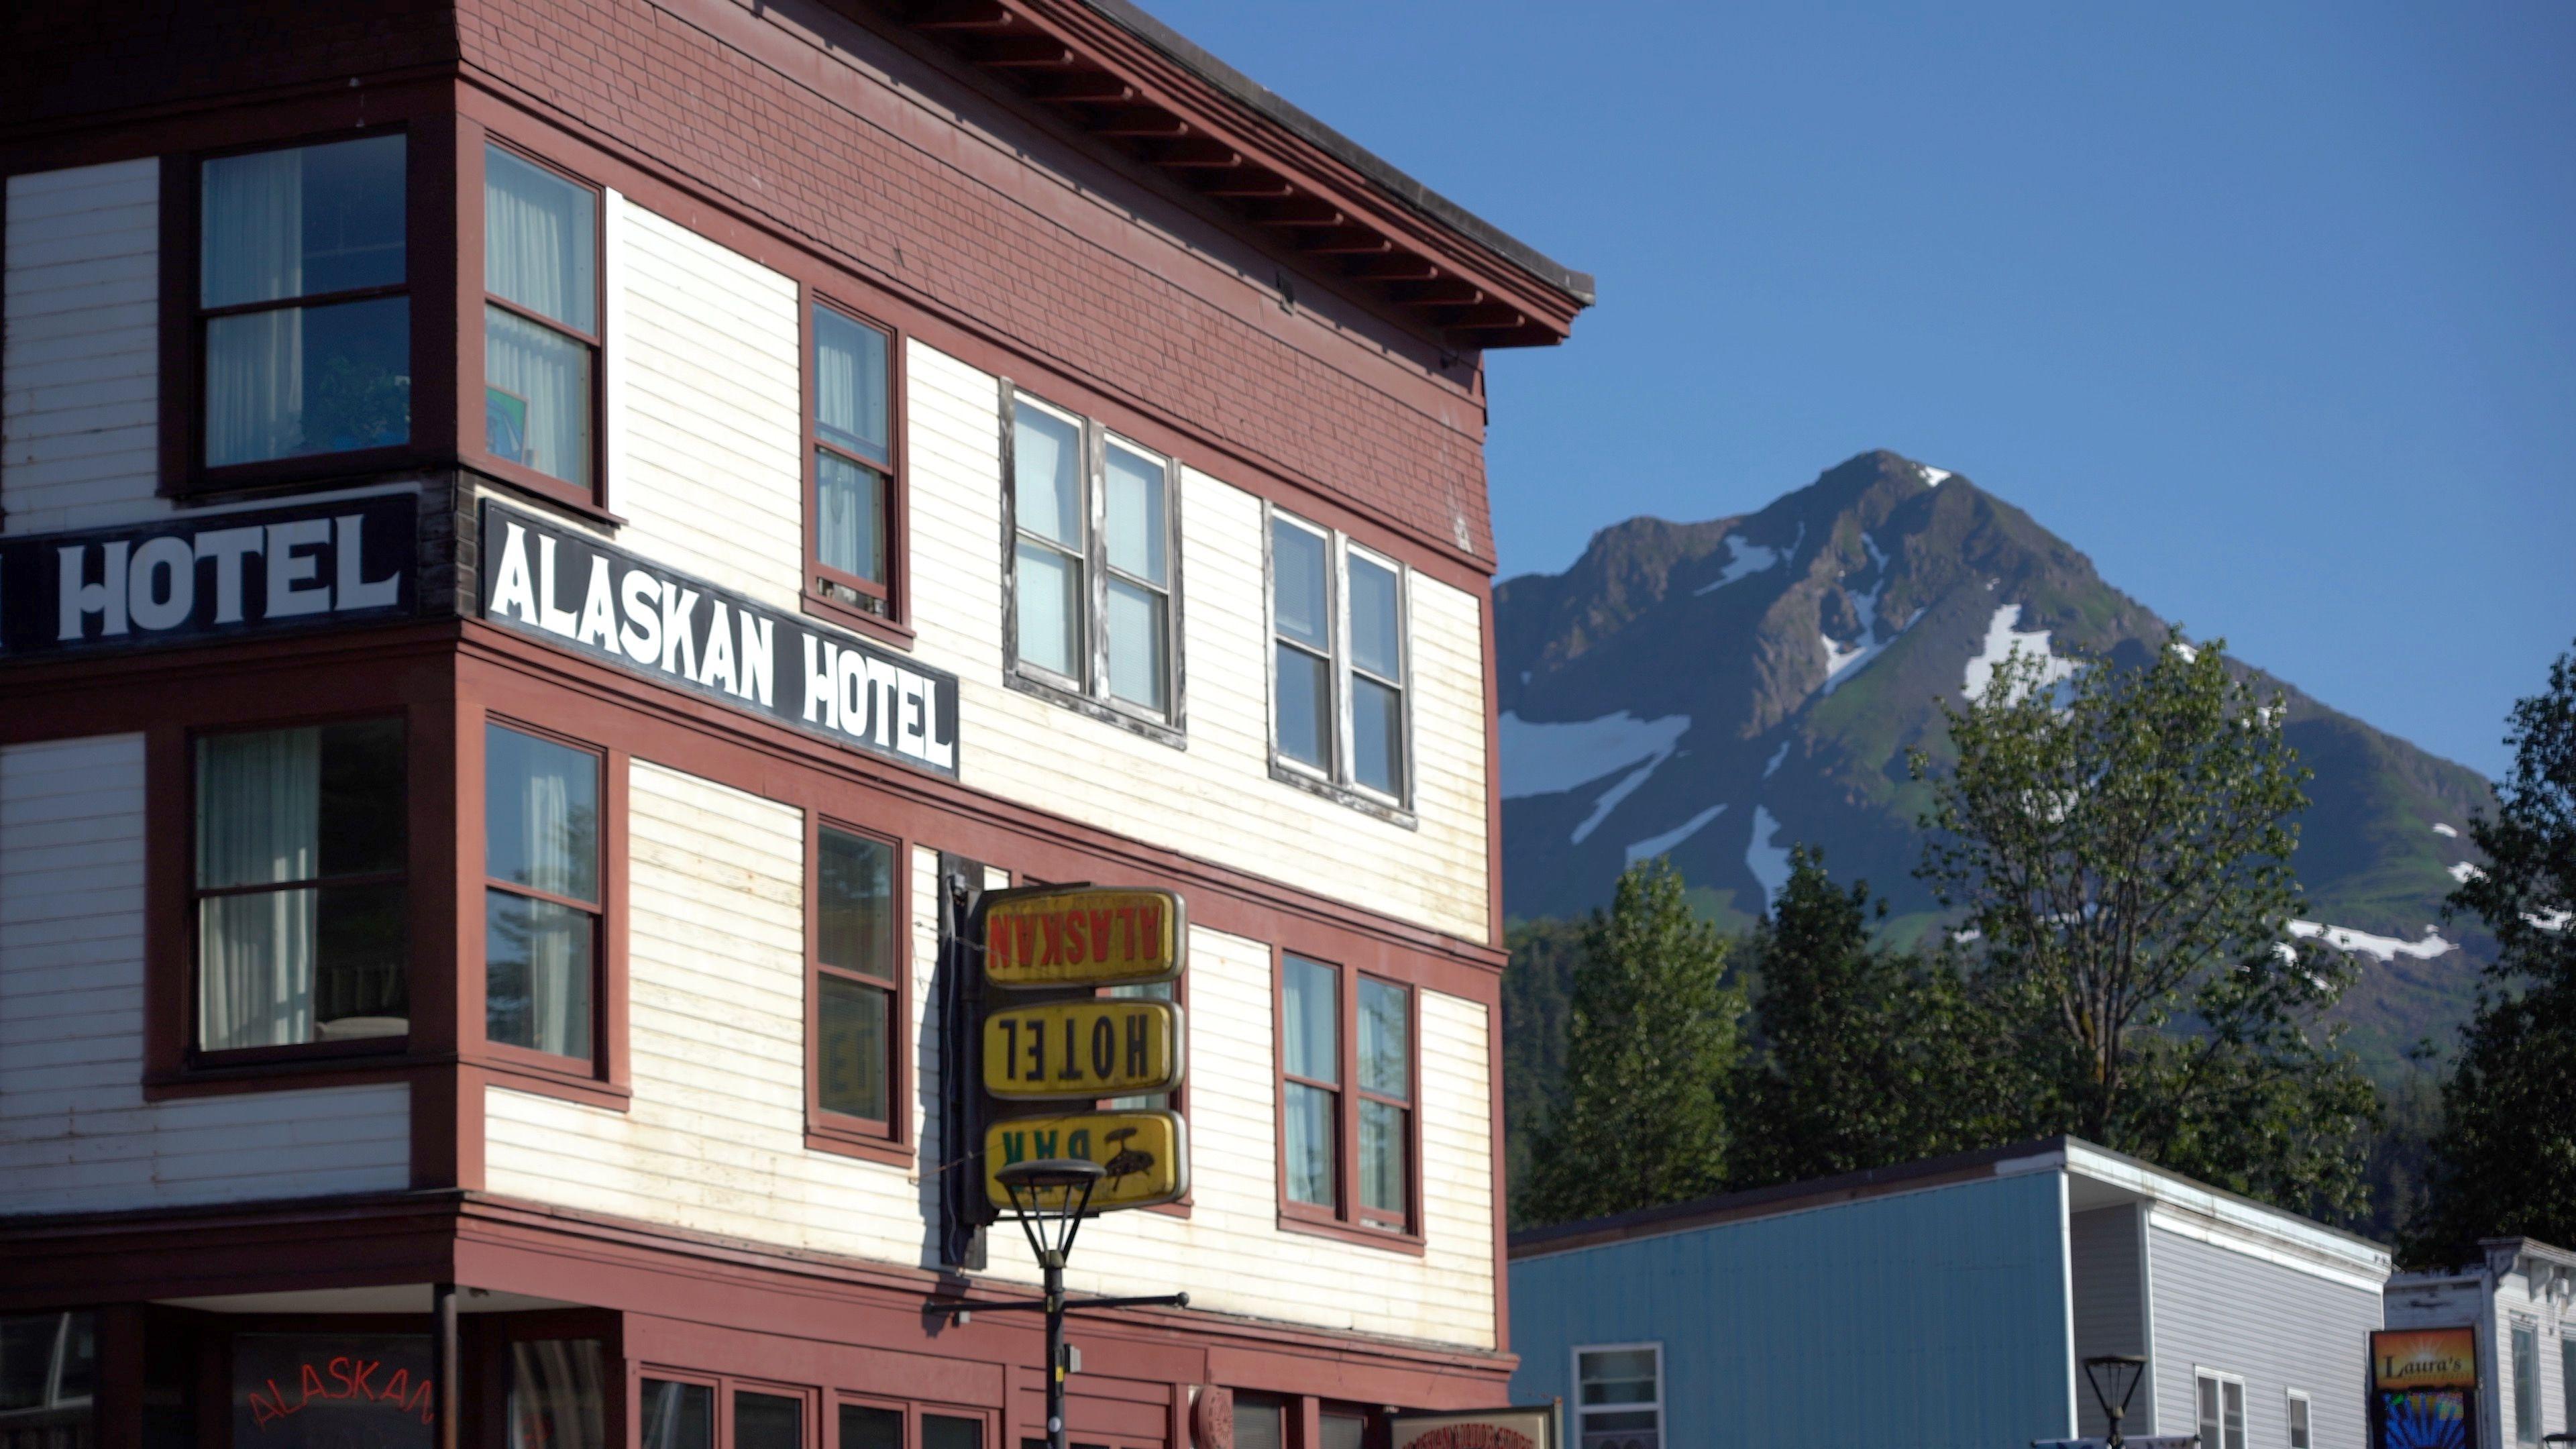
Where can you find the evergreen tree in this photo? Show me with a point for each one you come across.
(2122, 846)
(1538, 992)
(1864, 1056)
(1651, 1038)
(2505, 1157)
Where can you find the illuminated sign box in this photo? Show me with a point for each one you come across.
(2424, 1388)
(1084, 936)
(1080, 1050)
(1146, 1155)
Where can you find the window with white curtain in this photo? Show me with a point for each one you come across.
(302, 301)
(300, 910)
(540, 318)
(856, 521)
(1345, 1095)
(541, 834)
(1094, 571)
(1340, 652)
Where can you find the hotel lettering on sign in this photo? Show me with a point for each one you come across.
(206, 577)
(577, 593)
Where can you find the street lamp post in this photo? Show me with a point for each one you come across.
(1051, 1198)
(2114, 1377)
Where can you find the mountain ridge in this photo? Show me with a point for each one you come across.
(1721, 690)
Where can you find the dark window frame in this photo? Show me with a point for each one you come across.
(194, 1056)
(475, 294)
(1090, 694)
(1345, 1219)
(724, 1386)
(183, 319)
(601, 1079)
(913, 1411)
(894, 626)
(1337, 780)
(889, 1141)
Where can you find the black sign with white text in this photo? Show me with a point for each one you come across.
(198, 576)
(580, 594)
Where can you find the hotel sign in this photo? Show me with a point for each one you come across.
(577, 593)
(1079, 1050)
(201, 576)
(1084, 936)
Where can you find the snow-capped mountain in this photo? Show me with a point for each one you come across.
(1720, 691)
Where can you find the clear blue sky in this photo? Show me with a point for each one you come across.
(2269, 309)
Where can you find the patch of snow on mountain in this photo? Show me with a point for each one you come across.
(1772, 765)
(1744, 560)
(1769, 862)
(1611, 797)
(1544, 759)
(1841, 661)
(1655, 845)
(2463, 872)
(2384, 948)
(2440, 829)
(2003, 635)
(2550, 920)
(1934, 477)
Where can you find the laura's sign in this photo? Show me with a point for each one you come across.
(1076, 1050)
(579, 594)
(1084, 936)
(203, 576)
(1144, 1156)
(2424, 1388)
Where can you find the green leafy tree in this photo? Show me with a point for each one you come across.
(1650, 1042)
(1864, 1055)
(2505, 1156)
(1538, 994)
(2121, 844)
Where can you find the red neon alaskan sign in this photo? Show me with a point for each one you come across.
(343, 1379)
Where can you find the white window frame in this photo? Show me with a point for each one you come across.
(2516, 1328)
(1340, 782)
(2300, 1399)
(2244, 1411)
(1574, 1388)
(1090, 694)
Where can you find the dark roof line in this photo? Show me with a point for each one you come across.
(1578, 285)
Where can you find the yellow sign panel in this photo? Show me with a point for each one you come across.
(1146, 1154)
(1084, 936)
(1076, 1050)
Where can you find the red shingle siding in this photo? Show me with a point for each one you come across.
(738, 128)
(59, 60)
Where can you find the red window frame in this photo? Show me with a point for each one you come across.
(826, 1130)
(601, 1078)
(475, 295)
(1345, 1219)
(824, 585)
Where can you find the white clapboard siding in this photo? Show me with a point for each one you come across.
(713, 1138)
(80, 366)
(75, 1132)
(2277, 1325)
(708, 393)
(1214, 800)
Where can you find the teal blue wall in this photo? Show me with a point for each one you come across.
(1935, 1318)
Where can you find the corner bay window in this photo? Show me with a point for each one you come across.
(541, 831)
(1619, 1397)
(1346, 1154)
(855, 994)
(540, 318)
(1337, 615)
(1092, 563)
(855, 518)
(305, 321)
(300, 906)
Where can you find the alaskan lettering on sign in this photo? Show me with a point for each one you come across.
(580, 594)
(208, 575)
(1084, 936)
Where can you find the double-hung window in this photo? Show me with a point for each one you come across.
(2220, 1400)
(2301, 1435)
(541, 333)
(857, 522)
(1094, 568)
(856, 986)
(1619, 1396)
(542, 897)
(2526, 1383)
(1339, 659)
(300, 918)
(303, 307)
(1345, 1096)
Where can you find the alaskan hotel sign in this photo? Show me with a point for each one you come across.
(577, 593)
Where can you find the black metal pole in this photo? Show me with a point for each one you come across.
(1055, 1350)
